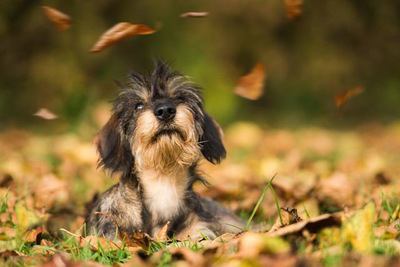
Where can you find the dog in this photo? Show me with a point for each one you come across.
(155, 138)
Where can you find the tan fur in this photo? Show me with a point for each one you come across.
(169, 153)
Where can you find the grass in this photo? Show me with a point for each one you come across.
(260, 200)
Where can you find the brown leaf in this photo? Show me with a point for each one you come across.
(59, 19)
(50, 190)
(345, 96)
(193, 258)
(337, 189)
(136, 239)
(59, 260)
(34, 235)
(9, 232)
(253, 244)
(194, 14)
(289, 216)
(251, 85)
(119, 32)
(45, 114)
(96, 241)
(161, 235)
(294, 8)
(312, 225)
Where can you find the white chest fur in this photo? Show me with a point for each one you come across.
(163, 194)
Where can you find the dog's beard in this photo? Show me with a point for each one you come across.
(165, 149)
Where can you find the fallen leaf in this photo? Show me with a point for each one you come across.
(25, 218)
(194, 14)
(45, 114)
(193, 258)
(50, 190)
(251, 85)
(8, 254)
(62, 260)
(34, 235)
(59, 19)
(312, 225)
(294, 8)
(119, 32)
(136, 239)
(6, 180)
(7, 232)
(288, 215)
(161, 235)
(252, 244)
(338, 189)
(345, 96)
(96, 242)
(358, 229)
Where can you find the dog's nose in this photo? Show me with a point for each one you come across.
(165, 112)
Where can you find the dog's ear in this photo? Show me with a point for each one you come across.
(211, 141)
(113, 148)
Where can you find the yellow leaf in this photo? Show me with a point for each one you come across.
(24, 218)
(358, 230)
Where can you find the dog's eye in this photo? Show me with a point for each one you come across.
(139, 106)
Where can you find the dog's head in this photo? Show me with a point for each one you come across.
(158, 123)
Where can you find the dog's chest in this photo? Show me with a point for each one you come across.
(163, 195)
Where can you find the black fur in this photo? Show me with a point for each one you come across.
(211, 144)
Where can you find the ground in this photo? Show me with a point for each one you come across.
(310, 195)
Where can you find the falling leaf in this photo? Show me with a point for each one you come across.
(194, 14)
(294, 8)
(345, 96)
(59, 19)
(119, 32)
(45, 114)
(251, 85)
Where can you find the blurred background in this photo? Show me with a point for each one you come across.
(333, 46)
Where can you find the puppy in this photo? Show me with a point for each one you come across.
(157, 134)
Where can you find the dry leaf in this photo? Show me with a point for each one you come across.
(161, 235)
(194, 14)
(62, 260)
(136, 239)
(251, 85)
(49, 190)
(96, 241)
(119, 32)
(289, 216)
(358, 230)
(338, 189)
(342, 98)
(34, 235)
(193, 258)
(311, 225)
(45, 114)
(294, 8)
(253, 244)
(60, 20)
